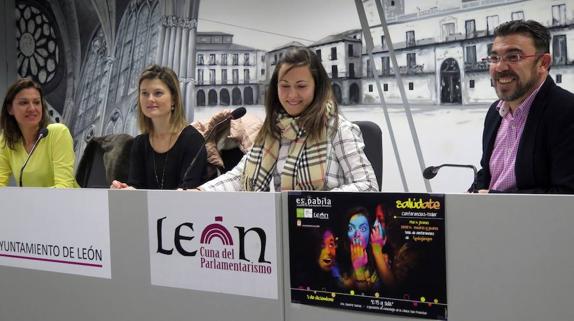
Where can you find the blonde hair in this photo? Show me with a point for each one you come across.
(169, 78)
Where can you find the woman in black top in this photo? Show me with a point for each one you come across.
(163, 156)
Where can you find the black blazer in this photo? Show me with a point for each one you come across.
(545, 156)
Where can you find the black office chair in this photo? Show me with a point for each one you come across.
(373, 137)
(231, 157)
(104, 159)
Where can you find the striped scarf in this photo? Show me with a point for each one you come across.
(305, 166)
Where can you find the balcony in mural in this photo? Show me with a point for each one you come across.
(408, 70)
(454, 37)
(476, 66)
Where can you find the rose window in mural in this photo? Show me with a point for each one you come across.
(38, 49)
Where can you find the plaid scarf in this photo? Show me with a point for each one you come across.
(304, 167)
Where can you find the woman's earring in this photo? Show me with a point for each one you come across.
(172, 108)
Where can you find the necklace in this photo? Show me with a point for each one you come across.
(158, 182)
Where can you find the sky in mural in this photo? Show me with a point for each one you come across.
(268, 24)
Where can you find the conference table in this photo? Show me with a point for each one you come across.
(97, 254)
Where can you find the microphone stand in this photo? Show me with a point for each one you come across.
(431, 171)
(235, 114)
(43, 133)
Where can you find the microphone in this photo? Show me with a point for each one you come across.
(43, 133)
(238, 113)
(431, 171)
(235, 114)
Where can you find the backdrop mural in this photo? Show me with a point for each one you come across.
(88, 55)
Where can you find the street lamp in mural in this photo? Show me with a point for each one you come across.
(38, 50)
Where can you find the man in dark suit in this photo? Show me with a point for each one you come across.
(528, 138)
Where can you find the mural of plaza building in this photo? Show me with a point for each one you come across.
(227, 73)
(341, 56)
(440, 51)
(88, 55)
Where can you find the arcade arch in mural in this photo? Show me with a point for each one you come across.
(236, 97)
(200, 98)
(354, 94)
(248, 94)
(224, 98)
(338, 93)
(450, 89)
(212, 97)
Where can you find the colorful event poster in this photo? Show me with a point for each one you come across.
(376, 252)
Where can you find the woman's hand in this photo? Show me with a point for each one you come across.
(378, 238)
(382, 263)
(358, 254)
(120, 185)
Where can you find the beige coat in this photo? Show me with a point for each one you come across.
(239, 133)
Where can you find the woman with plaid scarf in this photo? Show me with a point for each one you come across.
(304, 143)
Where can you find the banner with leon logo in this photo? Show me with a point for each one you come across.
(217, 242)
(376, 252)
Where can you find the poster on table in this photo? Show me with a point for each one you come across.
(376, 252)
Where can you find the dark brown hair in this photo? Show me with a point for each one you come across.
(539, 34)
(314, 118)
(8, 124)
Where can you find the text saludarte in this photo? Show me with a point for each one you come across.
(412, 203)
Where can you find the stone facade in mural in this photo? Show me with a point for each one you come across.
(440, 51)
(227, 73)
(39, 53)
(88, 56)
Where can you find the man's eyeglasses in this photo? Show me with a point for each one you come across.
(511, 58)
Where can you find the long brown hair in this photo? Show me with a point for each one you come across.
(169, 78)
(314, 118)
(8, 124)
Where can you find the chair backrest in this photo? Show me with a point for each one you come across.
(231, 157)
(373, 137)
(105, 158)
(91, 171)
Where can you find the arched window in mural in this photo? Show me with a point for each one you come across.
(139, 46)
(80, 144)
(236, 96)
(137, 37)
(224, 97)
(154, 29)
(115, 124)
(338, 94)
(450, 91)
(212, 97)
(38, 45)
(248, 94)
(131, 125)
(124, 61)
(93, 84)
(200, 98)
(148, 24)
(354, 94)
